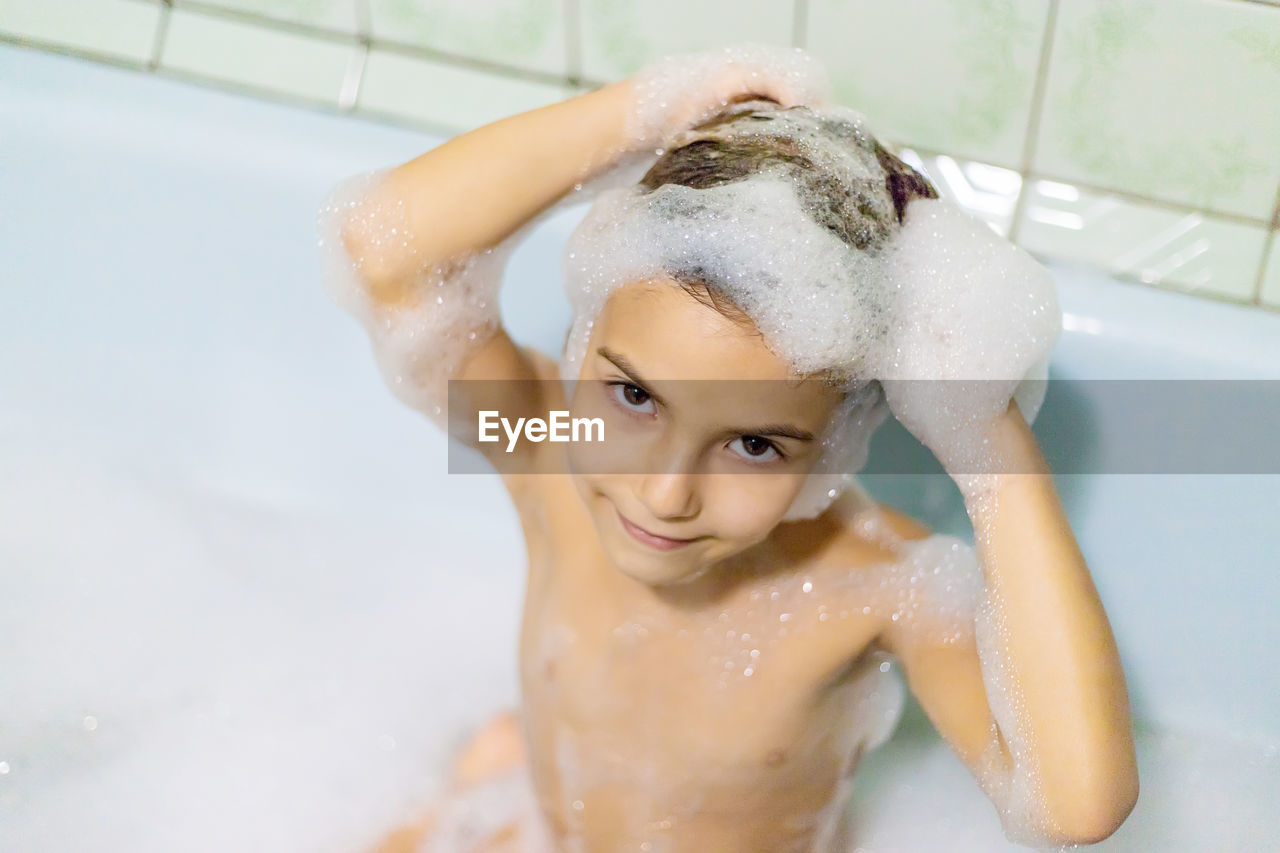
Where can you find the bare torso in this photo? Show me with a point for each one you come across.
(723, 724)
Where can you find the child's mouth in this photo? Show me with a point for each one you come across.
(653, 540)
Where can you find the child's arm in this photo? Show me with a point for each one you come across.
(475, 190)
(424, 246)
(1035, 703)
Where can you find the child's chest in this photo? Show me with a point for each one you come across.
(764, 694)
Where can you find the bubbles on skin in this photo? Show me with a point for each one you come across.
(938, 588)
(451, 308)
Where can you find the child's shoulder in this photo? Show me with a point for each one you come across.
(900, 524)
(872, 534)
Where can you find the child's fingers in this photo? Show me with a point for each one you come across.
(676, 93)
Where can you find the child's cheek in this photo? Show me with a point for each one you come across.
(748, 506)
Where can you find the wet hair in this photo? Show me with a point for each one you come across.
(718, 152)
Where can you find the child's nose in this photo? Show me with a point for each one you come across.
(670, 496)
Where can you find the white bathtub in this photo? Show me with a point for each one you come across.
(242, 605)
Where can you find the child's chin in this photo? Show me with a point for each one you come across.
(657, 570)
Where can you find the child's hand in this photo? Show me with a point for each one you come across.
(677, 92)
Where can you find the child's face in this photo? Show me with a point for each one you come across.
(698, 464)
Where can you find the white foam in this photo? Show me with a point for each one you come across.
(973, 321)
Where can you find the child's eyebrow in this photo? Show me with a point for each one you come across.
(619, 361)
(781, 430)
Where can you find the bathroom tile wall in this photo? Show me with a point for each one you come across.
(1142, 136)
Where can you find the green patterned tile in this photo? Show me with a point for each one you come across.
(1271, 277)
(620, 36)
(1179, 249)
(521, 33)
(117, 28)
(446, 95)
(1177, 100)
(256, 56)
(948, 75)
(330, 14)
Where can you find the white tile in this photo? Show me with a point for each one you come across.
(447, 95)
(116, 28)
(256, 56)
(1177, 100)
(526, 34)
(947, 75)
(1178, 249)
(620, 36)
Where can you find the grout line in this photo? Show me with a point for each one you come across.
(1169, 286)
(407, 49)
(1267, 248)
(430, 54)
(353, 79)
(326, 106)
(364, 20)
(161, 35)
(1033, 119)
(258, 19)
(800, 24)
(572, 41)
(1139, 198)
(19, 40)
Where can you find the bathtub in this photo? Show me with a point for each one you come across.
(244, 606)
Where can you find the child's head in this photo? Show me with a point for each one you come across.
(722, 306)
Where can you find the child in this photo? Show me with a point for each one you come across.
(710, 624)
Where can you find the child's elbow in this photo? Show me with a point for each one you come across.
(373, 261)
(1096, 817)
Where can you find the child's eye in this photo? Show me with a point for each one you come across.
(633, 397)
(755, 448)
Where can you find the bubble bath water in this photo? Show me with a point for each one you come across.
(207, 651)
